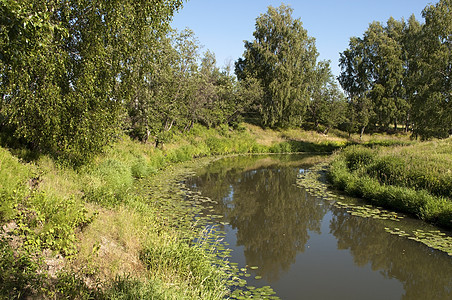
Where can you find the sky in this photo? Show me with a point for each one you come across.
(221, 26)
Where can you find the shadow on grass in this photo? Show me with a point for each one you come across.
(292, 145)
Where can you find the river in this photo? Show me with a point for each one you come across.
(305, 247)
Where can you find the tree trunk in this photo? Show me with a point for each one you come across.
(189, 126)
(169, 126)
(406, 123)
(362, 132)
(148, 134)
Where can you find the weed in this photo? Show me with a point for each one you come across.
(18, 276)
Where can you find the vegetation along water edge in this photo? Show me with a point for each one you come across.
(121, 226)
(414, 179)
(104, 109)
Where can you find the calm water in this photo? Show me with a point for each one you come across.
(304, 247)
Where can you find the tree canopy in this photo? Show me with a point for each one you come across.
(66, 68)
(282, 58)
(400, 73)
(76, 74)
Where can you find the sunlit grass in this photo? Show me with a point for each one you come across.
(120, 222)
(416, 178)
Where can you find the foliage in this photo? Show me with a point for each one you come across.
(79, 213)
(178, 92)
(18, 277)
(282, 60)
(400, 74)
(62, 87)
(328, 104)
(432, 107)
(13, 183)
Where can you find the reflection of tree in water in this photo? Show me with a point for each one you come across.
(272, 216)
(425, 274)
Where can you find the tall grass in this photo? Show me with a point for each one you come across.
(112, 225)
(14, 183)
(415, 179)
(119, 221)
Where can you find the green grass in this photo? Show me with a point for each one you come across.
(119, 224)
(14, 177)
(416, 179)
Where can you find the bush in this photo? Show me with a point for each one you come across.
(140, 168)
(219, 146)
(283, 147)
(18, 273)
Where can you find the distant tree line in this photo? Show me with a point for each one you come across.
(400, 74)
(75, 74)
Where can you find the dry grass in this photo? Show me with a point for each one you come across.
(268, 137)
(110, 246)
(56, 181)
(265, 137)
(311, 136)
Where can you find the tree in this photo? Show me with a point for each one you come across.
(67, 67)
(167, 87)
(372, 74)
(402, 73)
(282, 58)
(356, 82)
(333, 112)
(411, 41)
(328, 104)
(31, 80)
(384, 52)
(433, 105)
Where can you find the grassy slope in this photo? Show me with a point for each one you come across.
(117, 228)
(416, 179)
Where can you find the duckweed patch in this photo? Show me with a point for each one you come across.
(434, 239)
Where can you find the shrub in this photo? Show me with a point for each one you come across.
(18, 273)
(218, 145)
(283, 147)
(140, 168)
(181, 154)
(109, 183)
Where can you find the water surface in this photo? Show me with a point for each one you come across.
(306, 248)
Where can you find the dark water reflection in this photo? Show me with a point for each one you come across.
(306, 248)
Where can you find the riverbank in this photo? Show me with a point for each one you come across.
(120, 226)
(414, 179)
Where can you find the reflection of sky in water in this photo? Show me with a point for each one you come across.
(228, 200)
(306, 248)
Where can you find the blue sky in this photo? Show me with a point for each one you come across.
(221, 26)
